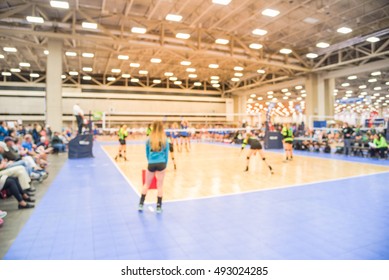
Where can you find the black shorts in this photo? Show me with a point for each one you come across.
(288, 141)
(256, 146)
(122, 141)
(171, 148)
(152, 167)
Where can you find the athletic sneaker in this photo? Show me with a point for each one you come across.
(159, 209)
(2, 214)
(247, 169)
(35, 176)
(140, 208)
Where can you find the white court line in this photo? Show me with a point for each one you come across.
(298, 155)
(272, 189)
(245, 192)
(121, 172)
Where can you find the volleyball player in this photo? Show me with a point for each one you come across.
(184, 135)
(171, 146)
(255, 146)
(287, 135)
(122, 134)
(157, 153)
(175, 134)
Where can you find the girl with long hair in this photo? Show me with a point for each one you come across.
(157, 153)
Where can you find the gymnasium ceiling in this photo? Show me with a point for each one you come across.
(299, 26)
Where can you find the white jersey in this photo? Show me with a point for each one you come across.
(77, 110)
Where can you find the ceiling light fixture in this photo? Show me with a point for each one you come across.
(259, 32)
(35, 19)
(172, 17)
(88, 55)
(270, 12)
(183, 36)
(59, 4)
(255, 46)
(322, 45)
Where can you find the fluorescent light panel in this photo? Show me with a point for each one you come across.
(270, 12)
(168, 74)
(10, 49)
(88, 55)
(123, 57)
(143, 72)
(73, 73)
(24, 64)
(373, 39)
(35, 19)
(6, 73)
(221, 2)
(344, 30)
(238, 68)
(134, 65)
(255, 46)
(322, 45)
(186, 63)
(214, 66)
(222, 41)
(311, 55)
(285, 51)
(155, 60)
(89, 25)
(139, 30)
(126, 76)
(259, 32)
(197, 84)
(70, 53)
(156, 81)
(173, 17)
(59, 4)
(34, 75)
(183, 36)
(15, 70)
(87, 69)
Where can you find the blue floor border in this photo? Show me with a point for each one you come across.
(89, 212)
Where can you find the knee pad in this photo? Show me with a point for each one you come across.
(248, 157)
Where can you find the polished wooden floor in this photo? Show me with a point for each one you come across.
(213, 170)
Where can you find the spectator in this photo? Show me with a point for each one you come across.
(57, 143)
(35, 133)
(3, 130)
(380, 146)
(347, 133)
(18, 171)
(12, 185)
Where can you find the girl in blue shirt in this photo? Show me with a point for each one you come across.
(157, 153)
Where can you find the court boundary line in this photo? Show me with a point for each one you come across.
(313, 156)
(243, 192)
(276, 188)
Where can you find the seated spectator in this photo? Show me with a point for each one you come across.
(12, 186)
(17, 171)
(29, 147)
(3, 130)
(380, 146)
(57, 143)
(11, 153)
(43, 148)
